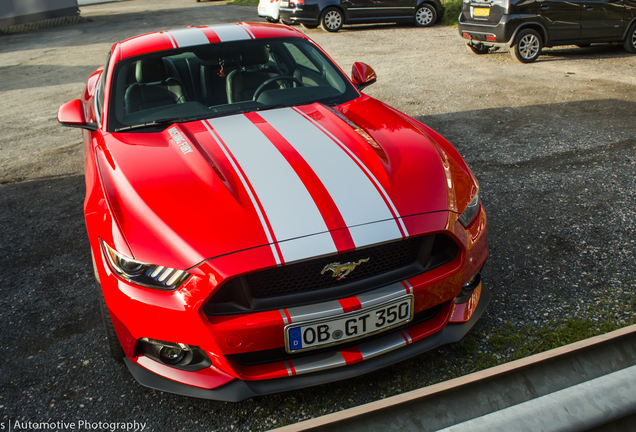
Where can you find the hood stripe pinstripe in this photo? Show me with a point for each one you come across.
(369, 174)
(257, 205)
(324, 202)
(286, 202)
(349, 183)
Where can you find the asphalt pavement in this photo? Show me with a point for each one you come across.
(553, 145)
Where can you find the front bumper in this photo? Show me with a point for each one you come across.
(238, 390)
(179, 317)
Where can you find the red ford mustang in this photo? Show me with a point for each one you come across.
(258, 225)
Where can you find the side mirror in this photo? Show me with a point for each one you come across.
(72, 114)
(362, 75)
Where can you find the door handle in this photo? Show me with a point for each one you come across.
(590, 8)
(545, 7)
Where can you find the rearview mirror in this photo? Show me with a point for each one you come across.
(72, 114)
(362, 75)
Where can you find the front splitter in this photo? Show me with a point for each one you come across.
(239, 390)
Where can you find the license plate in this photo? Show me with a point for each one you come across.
(347, 327)
(482, 12)
(284, 4)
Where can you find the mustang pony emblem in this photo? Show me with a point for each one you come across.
(341, 270)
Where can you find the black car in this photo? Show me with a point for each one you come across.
(332, 14)
(526, 26)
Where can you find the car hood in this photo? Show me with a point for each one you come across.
(307, 181)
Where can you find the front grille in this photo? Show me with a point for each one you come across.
(306, 276)
(279, 354)
(303, 283)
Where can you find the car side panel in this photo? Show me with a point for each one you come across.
(359, 9)
(562, 19)
(602, 19)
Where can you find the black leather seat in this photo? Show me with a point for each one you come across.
(242, 82)
(154, 87)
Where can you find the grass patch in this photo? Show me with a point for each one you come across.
(453, 9)
(245, 3)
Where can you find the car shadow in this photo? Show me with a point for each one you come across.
(571, 52)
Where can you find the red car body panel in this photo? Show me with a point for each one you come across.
(189, 198)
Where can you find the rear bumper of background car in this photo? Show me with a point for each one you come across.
(237, 390)
(494, 34)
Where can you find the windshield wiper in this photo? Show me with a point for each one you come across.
(159, 123)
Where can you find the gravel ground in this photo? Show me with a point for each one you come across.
(553, 144)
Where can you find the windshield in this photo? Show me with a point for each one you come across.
(214, 80)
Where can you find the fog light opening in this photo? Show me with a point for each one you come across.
(468, 288)
(171, 355)
(178, 355)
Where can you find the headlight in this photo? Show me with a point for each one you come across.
(141, 273)
(471, 211)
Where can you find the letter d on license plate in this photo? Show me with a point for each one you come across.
(348, 327)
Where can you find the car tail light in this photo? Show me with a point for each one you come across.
(491, 38)
(466, 35)
(297, 2)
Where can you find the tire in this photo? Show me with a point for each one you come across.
(308, 26)
(527, 46)
(479, 50)
(331, 20)
(272, 20)
(630, 40)
(116, 350)
(425, 16)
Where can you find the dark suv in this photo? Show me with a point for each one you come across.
(332, 14)
(526, 26)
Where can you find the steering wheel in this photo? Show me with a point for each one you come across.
(261, 87)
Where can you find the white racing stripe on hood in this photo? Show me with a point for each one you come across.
(290, 209)
(230, 32)
(188, 37)
(261, 217)
(357, 198)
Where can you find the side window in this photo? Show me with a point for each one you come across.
(301, 58)
(99, 100)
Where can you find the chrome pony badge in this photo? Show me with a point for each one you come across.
(342, 270)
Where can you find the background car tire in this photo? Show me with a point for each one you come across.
(478, 50)
(630, 40)
(272, 20)
(308, 26)
(332, 20)
(116, 350)
(425, 15)
(527, 46)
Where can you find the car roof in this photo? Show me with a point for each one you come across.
(203, 34)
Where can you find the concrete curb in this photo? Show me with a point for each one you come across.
(388, 407)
